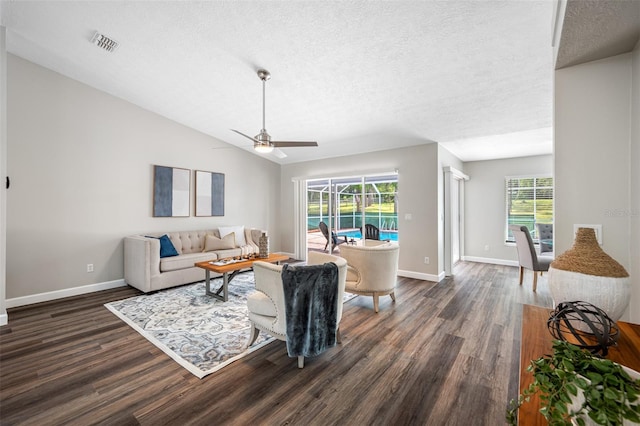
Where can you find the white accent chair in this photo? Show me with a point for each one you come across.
(267, 305)
(372, 269)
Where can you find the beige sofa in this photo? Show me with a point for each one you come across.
(145, 270)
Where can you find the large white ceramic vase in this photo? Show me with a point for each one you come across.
(586, 273)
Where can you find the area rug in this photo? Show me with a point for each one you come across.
(199, 332)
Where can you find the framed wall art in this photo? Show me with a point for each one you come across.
(209, 193)
(171, 191)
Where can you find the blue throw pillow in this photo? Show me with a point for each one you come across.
(166, 246)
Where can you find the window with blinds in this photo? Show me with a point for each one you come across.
(529, 201)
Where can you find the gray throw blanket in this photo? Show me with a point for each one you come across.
(310, 297)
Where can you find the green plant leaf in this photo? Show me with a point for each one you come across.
(557, 377)
(610, 394)
(567, 365)
(594, 377)
(581, 383)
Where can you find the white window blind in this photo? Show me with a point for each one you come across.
(529, 201)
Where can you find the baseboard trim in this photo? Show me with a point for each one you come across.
(490, 260)
(75, 291)
(59, 294)
(4, 318)
(421, 276)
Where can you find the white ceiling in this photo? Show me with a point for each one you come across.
(596, 29)
(356, 76)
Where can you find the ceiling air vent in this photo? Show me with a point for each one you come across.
(104, 42)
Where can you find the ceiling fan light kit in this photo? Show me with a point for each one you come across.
(263, 149)
(262, 142)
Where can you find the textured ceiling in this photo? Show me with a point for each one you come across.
(596, 29)
(356, 76)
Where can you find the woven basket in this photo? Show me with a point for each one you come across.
(587, 257)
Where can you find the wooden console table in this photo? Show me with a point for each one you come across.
(537, 341)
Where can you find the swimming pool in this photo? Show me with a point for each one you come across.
(384, 235)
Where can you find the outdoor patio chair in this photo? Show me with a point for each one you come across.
(325, 231)
(371, 232)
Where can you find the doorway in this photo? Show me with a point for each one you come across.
(453, 217)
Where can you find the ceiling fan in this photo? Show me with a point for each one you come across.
(262, 142)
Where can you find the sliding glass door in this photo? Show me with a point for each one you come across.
(339, 208)
(381, 205)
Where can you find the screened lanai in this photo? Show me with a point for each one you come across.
(346, 204)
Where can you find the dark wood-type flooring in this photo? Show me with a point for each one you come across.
(444, 354)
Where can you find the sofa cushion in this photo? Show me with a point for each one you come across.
(184, 261)
(212, 242)
(166, 246)
(261, 304)
(223, 254)
(188, 241)
(238, 230)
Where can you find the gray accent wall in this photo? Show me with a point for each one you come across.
(81, 166)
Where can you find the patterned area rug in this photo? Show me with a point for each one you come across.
(199, 332)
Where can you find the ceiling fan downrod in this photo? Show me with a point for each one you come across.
(262, 141)
(264, 75)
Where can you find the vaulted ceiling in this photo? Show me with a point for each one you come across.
(356, 76)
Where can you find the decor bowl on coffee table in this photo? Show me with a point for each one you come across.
(585, 272)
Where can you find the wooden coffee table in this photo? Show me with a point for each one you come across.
(230, 270)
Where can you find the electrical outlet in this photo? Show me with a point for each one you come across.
(426, 260)
(89, 267)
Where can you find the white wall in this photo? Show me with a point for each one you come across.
(3, 172)
(485, 212)
(81, 164)
(418, 195)
(593, 135)
(634, 158)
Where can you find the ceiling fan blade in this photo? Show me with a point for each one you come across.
(246, 136)
(289, 144)
(278, 153)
